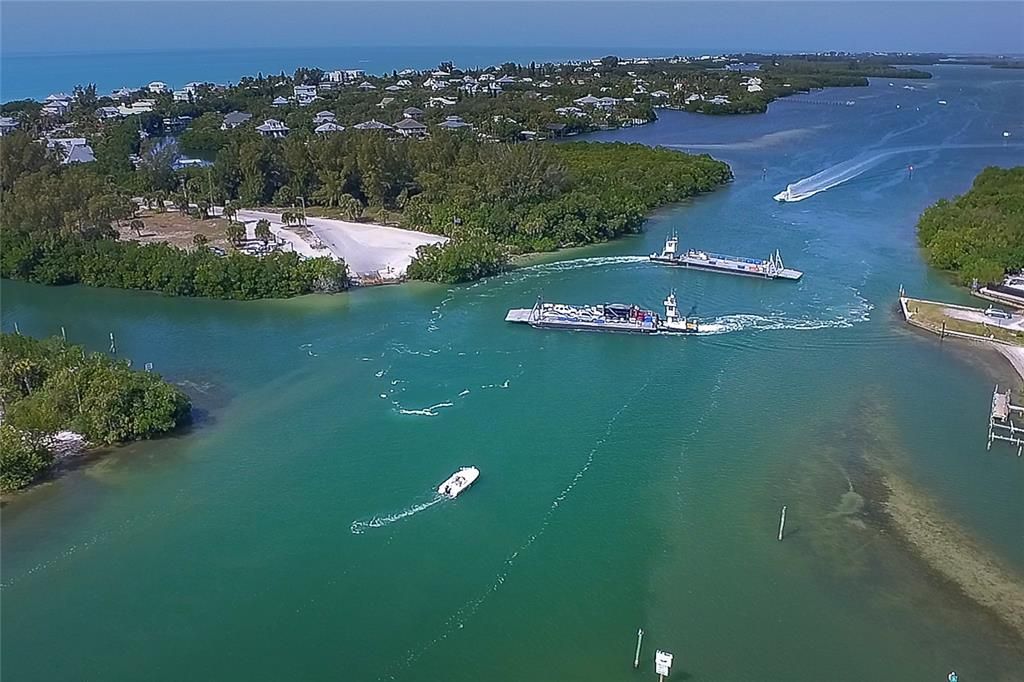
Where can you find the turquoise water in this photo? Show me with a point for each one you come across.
(626, 482)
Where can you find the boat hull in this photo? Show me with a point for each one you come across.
(725, 269)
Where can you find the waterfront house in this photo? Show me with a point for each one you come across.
(659, 94)
(606, 102)
(324, 117)
(413, 112)
(719, 99)
(328, 128)
(279, 102)
(372, 124)
(453, 123)
(7, 125)
(234, 119)
(556, 129)
(158, 88)
(272, 128)
(588, 100)
(410, 127)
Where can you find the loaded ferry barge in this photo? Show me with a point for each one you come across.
(609, 317)
(773, 268)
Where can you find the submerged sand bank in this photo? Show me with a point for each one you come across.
(953, 554)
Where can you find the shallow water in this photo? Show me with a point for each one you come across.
(626, 482)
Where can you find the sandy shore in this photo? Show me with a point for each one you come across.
(1015, 354)
(367, 248)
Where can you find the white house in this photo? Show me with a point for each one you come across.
(324, 117)
(280, 101)
(304, 94)
(272, 128)
(7, 125)
(181, 96)
(440, 102)
(158, 88)
(367, 85)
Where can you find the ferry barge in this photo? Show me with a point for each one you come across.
(772, 268)
(608, 317)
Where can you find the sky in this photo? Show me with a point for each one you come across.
(61, 26)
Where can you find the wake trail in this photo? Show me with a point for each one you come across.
(362, 525)
(845, 171)
(459, 619)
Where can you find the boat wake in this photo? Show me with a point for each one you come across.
(361, 526)
(847, 170)
(426, 411)
(458, 619)
(726, 324)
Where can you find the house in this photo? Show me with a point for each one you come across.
(280, 101)
(606, 102)
(393, 88)
(440, 102)
(57, 104)
(327, 128)
(272, 128)
(404, 83)
(407, 72)
(545, 84)
(469, 88)
(372, 124)
(570, 111)
(234, 119)
(505, 80)
(181, 96)
(385, 102)
(367, 85)
(435, 84)
(659, 94)
(719, 99)
(158, 88)
(305, 94)
(693, 98)
(453, 123)
(106, 113)
(79, 153)
(556, 129)
(410, 127)
(527, 135)
(588, 100)
(143, 106)
(7, 125)
(324, 117)
(413, 112)
(122, 93)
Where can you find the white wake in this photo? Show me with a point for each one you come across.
(359, 527)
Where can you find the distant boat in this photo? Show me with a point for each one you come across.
(459, 481)
(942, 102)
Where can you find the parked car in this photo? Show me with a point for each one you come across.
(998, 314)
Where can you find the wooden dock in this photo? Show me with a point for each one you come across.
(1001, 421)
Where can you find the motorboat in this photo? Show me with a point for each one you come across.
(459, 481)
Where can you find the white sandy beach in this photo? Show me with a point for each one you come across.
(367, 248)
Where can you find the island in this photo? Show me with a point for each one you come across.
(53, 393)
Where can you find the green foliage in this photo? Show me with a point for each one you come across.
(980, 234)
(22, 458)
(49, 385)
(495, 199)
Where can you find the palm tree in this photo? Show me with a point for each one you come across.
(287, 217)
(203, 206)
(199, 240)
(137, 226)
(235, 232)
(263, 231)
(350, 207)
(230, 211)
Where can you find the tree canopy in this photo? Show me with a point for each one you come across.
(980, 234)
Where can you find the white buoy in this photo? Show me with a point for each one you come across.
(1006, 133)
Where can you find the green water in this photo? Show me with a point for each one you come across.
(626, 482)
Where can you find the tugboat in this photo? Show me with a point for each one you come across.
(772, 268)
(459, 481)
(609, 317)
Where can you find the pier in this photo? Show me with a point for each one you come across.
(1001, 421)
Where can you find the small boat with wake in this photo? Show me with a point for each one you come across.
(458, 482)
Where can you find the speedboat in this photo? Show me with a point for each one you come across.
(459, 481)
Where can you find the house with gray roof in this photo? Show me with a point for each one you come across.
(79, 153)
(328, 128)
(7, 125)
(280, 101)
(105, 113)
(453, 123)
(272, 128)
(372, 124)
(324, 117)
(410, 127)
(234, 119)
(413, 112)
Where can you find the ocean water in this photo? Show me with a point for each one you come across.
(37, 75)
(626, 482)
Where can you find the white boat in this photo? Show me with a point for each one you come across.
(942, 102)
(785, 195)
(459, 481)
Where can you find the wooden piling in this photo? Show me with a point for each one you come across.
(782, 522)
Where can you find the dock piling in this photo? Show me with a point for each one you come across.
(782, 522)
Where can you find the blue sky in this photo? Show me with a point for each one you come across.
(52, 26)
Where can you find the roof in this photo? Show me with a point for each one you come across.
(410, 124)
(411, 111)
(280, 100)
(236, 117)
(80, 153)
(373, 124)
(329, 127)
(271, 124)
